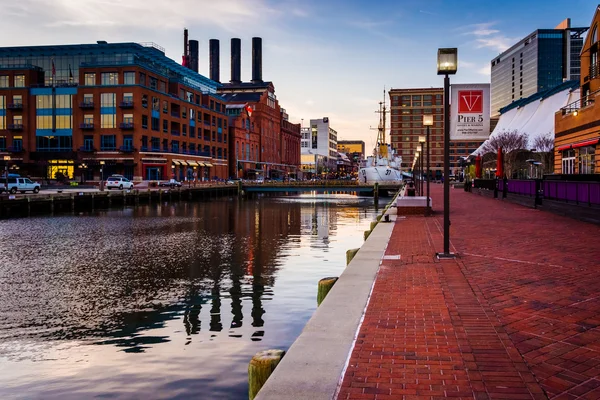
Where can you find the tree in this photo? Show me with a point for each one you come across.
(510, 142)
(544, 146)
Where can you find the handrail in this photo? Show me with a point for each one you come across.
(583, 102)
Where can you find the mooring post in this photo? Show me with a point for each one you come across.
(350, 255)
(160, 195)
(72, 203)
(29, 206)
(93, 201)
(51, 204)
(376, 192)
(261, 367)
(324, 287)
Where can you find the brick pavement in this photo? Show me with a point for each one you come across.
(516, 316)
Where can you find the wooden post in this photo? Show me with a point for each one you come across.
(376, 192)
(261, 367)
(325, 286)
(350, 255)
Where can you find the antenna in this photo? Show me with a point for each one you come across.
(381, 140)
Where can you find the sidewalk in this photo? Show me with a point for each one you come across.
(516, 316)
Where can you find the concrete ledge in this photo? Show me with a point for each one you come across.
(313, 366)
(416, 201)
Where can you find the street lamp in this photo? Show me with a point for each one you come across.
(422, 143)
(6, 160)
(427, 121)
(447, 63)
(419, 167)
(101, 176)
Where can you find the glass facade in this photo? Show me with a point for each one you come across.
(4, 81)
(108, 110)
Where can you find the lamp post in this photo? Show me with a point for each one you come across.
(6, 160)
(447, 63)
(419, 167)
(422, 143)
(101, 176)
(427, 121)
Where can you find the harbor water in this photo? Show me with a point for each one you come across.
(164, 301)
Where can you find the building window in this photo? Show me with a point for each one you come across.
(88, 143)
(192, 131)
(156, 124)
(165, 126)
(155, 103)
(108, 112)
(155, 142)
(129, 78)
(128, 118)
(145, 121)
(595, 35)
(568, 162)
(108, 142)
(587, 159)
(19, 81)
(145, 100)
(4, 81)
(128, 142)
(175, 146)
(90, 79)
(109, 78)
(153, 83)
(165, 107)
(88, 99)
(162, 86)
(18, 100)
(88, 119)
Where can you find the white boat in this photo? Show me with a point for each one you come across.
(384, 165)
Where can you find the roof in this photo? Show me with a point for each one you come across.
(246, 85)
(572, 85)
(241, 97)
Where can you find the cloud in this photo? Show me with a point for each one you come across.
(427, 12)
(486, 37)
(300, 13)
(485, 70)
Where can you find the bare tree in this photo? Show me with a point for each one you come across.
(544, 146)
(510, 142)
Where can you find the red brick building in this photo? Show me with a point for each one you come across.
(124, 108)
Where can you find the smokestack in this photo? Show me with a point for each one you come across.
(214, 60)
(256, 60)
(194, 55)
(236, 60)
(185, 59)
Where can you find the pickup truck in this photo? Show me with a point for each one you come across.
(19, 184)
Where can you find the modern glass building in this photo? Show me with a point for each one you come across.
(540, 61)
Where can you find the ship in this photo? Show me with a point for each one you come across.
(384, 165)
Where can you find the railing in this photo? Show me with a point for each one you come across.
(489, 184)
(126, 125)
(86, 104)
(15, 127)
(519, 187)
(573, 192)
(15, 106)
(86, 126)
(126, 104)
(583, 102)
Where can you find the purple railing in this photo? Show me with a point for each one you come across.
(520, 187)
(576, 192)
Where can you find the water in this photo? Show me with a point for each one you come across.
(164, 301)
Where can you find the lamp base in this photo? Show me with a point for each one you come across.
(446, 256)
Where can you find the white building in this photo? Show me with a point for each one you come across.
(319, 146)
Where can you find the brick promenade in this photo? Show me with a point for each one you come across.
(517, 316)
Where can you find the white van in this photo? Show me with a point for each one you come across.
(19, 184)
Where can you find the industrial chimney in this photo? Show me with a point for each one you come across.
(236, 60)
(194, 55)
(256, 60)
(185, 59)
(214, 60)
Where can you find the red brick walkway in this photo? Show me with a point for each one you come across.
(516, 316)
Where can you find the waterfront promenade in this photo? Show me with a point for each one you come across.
(515, 316)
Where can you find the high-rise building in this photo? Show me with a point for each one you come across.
(76, 110)
(540, 61)
(319, 147)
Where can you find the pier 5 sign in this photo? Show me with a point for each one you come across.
(470, 112)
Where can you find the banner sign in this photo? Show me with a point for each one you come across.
(470, 111)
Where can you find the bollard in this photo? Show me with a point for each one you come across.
(379, 217)
(324, 287)
(366, 234)
(373, 225)
(261, 367)
(160, 195)
(376, 192)
(350, 255)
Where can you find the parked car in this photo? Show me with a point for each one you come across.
(259, 180)
(118, 182)
(233, 181)
(18, 183)
(171, 183)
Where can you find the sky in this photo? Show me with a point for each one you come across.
(326, 58)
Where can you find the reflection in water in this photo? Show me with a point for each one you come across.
(120, 295)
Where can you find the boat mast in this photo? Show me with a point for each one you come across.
(381, 134)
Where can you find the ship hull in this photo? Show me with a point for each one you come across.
(379, 174)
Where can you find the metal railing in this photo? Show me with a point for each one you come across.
(583, 102)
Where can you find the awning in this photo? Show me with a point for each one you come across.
(178, 162)
(209, 165)
(192, 163)
(590, 142)
(200, 164)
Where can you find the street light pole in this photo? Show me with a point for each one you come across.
(428, 121)
(6, 160)
(447, 65)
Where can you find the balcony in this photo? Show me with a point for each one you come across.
(126, 104)
(127, 149)
(15, 149)
(87, 149)
(86, 105)
(87, 126)
(14, 106)
(15, 127)
(126, 125)
(583, 102)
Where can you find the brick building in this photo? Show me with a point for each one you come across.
(407, 109)
(122, 107)
(577, 126)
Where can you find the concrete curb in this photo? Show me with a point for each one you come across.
(313, 367)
